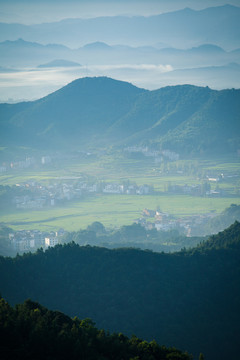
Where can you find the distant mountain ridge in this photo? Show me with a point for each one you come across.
(104, 112)
(21, 53)
(59, 63)
(99, 45)
(217, 24)
(21, 42)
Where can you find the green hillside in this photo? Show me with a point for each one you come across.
(188, 299)
(223, 220)
(228, 239)
(31, 331)
(96, 112)
(79, 112)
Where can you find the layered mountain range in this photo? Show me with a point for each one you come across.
(218, 25)
(199, 47)
(101, 112)
(23, 54)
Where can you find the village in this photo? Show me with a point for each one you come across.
(49, 160)
(188, 225)
(158, 156)
(30, 240)
(55, 192)
(33, 195)
(28, 162)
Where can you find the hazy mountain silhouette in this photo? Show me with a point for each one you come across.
(22, 53)
(218, 25)
(215, 76)
(59, 63)
(78, 112)
(103, 112)
(97, 46)
(25, 53)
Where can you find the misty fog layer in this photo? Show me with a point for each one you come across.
(36, 83)
(196, 45)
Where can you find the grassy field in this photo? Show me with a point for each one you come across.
(112, 210)
(117, 210)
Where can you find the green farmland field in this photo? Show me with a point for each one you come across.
(116, 210)
(111, 210)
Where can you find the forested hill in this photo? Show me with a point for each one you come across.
(227, 239)
(31, 331)
(190, 299)
(77, 112)
(223, 220)
(95, 112)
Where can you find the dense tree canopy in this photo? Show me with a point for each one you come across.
(105, 112)
(31, 331)
(189, 299)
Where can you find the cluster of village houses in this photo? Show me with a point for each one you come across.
(164, 222)
(28, 162)
(25, 164)
(37, 196)
(31, 240)
(196, 190)
(156, 154)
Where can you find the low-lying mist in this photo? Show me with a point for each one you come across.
(31, 84)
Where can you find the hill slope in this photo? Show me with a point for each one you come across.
(189, 300)
(102, 112)
(31, 331)
(82, 109)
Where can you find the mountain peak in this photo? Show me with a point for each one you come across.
(59, 63)
(105, 111)
(208, 48)
(97, 45)
(100, 81)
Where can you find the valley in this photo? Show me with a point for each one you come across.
(114, 189)
(119, 180)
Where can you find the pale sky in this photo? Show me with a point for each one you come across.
(38, 11)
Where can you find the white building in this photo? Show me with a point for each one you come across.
(46, 160)
(51, 241)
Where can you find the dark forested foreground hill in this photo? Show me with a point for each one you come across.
(93, 112)
(190, 299)
(30, 331)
